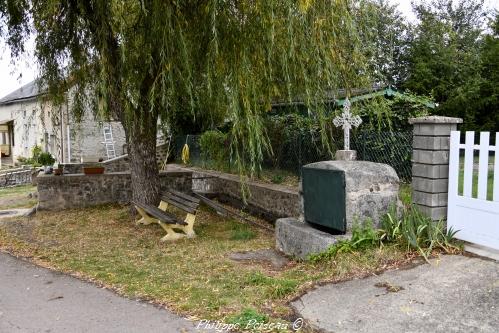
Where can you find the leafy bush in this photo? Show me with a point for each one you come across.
(296, 140)
(36, 151)
(45, 159)
(25, 160)
(215, 148)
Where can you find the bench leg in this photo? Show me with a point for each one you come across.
(189, 228)
(146, 219)
(163, 205)
(171, 235)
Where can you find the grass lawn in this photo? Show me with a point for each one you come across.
(17, 197)
(193, 277)
(474, 188)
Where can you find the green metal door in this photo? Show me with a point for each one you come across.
(324, 197)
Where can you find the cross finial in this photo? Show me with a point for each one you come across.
(346, 121)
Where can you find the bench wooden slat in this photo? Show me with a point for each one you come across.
(210, 203)
(185, 196)
(187, 203)
(178, 204)
(159, 214)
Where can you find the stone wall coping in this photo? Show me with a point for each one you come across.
(435, 120)
(236, 178)
(175, 173)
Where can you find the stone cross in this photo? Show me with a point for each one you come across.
(346, 121)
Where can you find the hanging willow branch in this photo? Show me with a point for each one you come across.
(214, 60)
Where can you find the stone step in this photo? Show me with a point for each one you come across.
(299, 239)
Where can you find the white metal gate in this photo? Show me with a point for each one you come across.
(474, 189)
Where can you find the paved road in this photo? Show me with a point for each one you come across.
(34, 299)
(454, 294)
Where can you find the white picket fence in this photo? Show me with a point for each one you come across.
(472, 208)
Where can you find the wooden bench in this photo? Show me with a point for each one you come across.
(168, 221)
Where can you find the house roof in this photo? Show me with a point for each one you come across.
(386, 92)
(337, 99)
(27, 92)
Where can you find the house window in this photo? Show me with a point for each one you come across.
(4, 139)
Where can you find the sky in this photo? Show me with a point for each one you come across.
(13, 76)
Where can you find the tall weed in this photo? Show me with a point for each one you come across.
(410, 229)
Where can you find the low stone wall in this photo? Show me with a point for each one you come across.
(78, 190)
(15, 177)
(268, 200)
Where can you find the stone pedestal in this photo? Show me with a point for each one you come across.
(346, 155)
(368, 190)
(430, 163)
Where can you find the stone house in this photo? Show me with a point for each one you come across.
(27, 120)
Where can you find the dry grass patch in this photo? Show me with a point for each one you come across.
(17, 197)
(192, 276)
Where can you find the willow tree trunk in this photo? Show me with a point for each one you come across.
(143, 165)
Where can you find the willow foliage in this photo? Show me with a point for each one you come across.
(140, 61)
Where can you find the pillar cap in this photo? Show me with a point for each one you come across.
(435, 120)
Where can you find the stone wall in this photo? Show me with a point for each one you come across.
(87, 138)
(268, 200)
(78, 190)
(117, 164)
(14, 177)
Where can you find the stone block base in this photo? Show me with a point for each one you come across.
(300, 239)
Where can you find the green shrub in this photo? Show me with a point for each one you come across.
(36, 151)
(25, 160)
(215, 149)
(45, 159)
(296, 140)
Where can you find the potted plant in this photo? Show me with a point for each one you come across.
(93, 169)
(57, 169)
(46, 159)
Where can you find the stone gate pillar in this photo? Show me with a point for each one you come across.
(430, 163)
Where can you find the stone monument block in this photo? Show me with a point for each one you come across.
(369, 190)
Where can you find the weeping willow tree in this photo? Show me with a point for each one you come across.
(146, 62)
